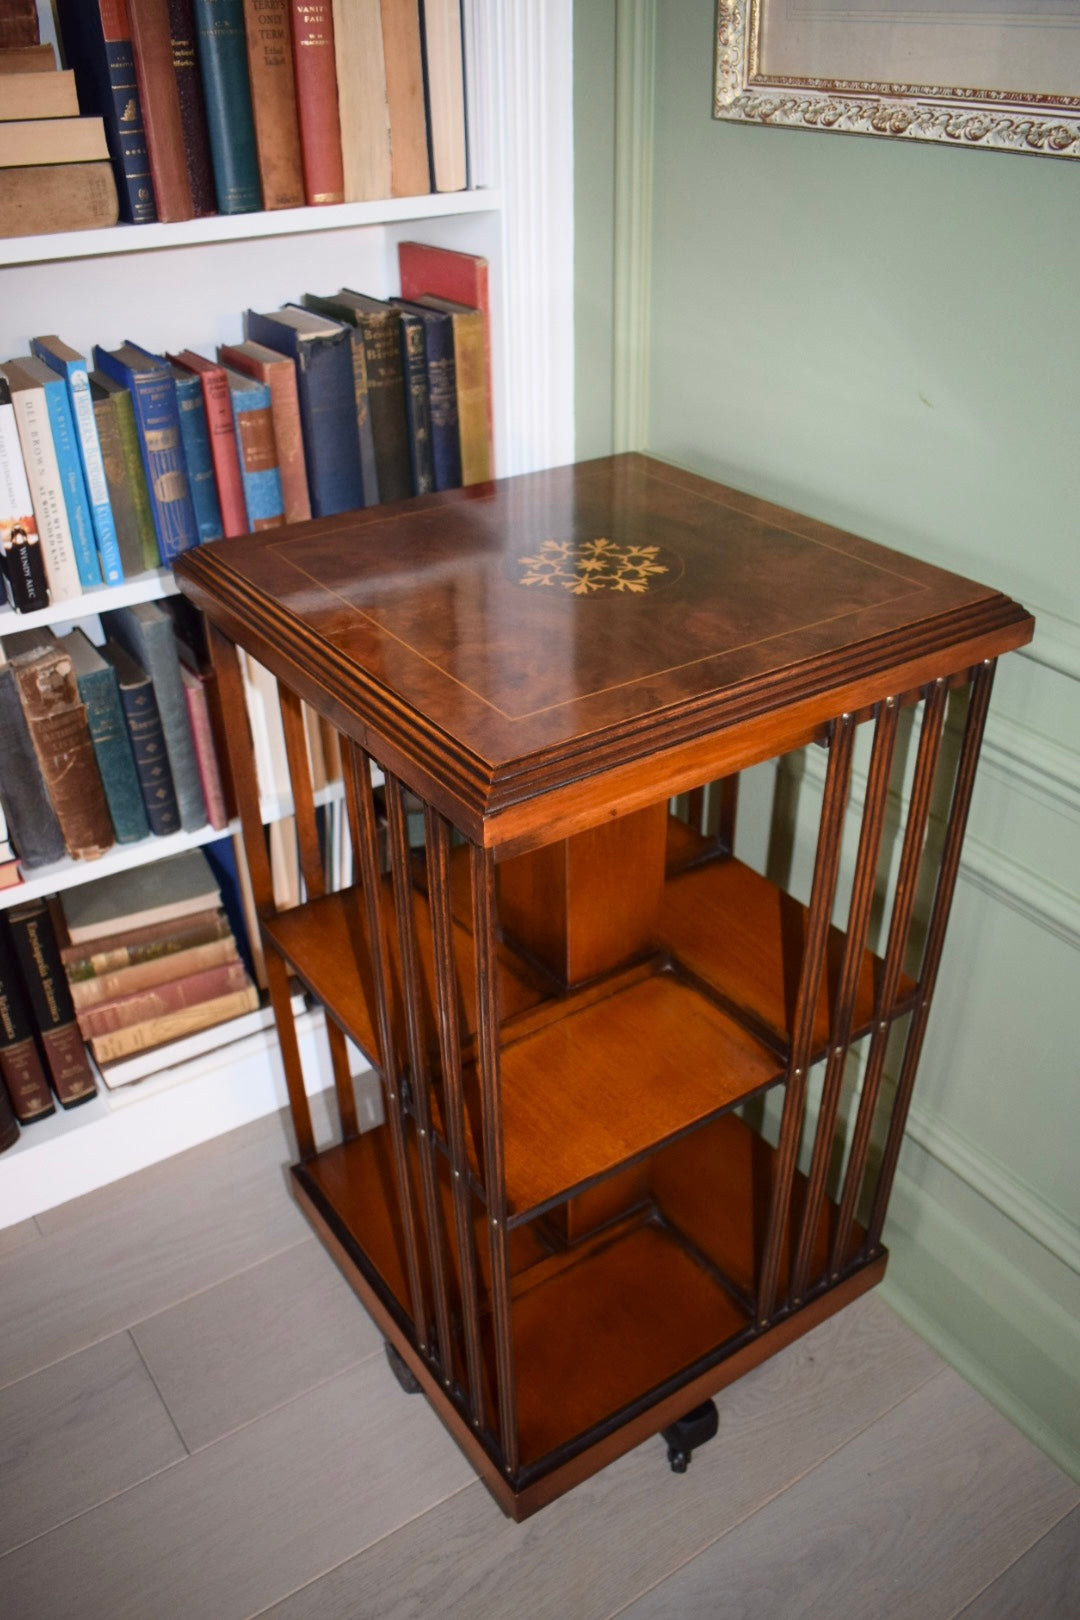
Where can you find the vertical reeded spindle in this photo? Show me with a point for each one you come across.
(409, 959)
(982, 685)
(895, 951)
(245, 782)
(485, 934)
(862, 898)
(307, 835)
(362, 826)
(823, 888)
(446, 991)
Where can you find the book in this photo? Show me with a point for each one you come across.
(461, 277)
(224, 450)
(28, 811)
(122, 983)
(185, 60)
(181, 886)
(99, 691)
(29, 59)
(20, 547)
(172, 1025)
(24, 95)
(363, 110)
(193, 646)
(71, 366)
(97, 42)
(157, 420)
(21, 1070)
(147, 740)
(28, 373)
(124, 473)
(470, 383)
(56, 721)
(279, 373)
(315, 73)
(9, 1125)
(202, 735)
(52, 140)
(444, 83)
(43, 477)
(226, 858)
(158, 1065)
(38, 958)
(159, 95)
(273, 100)
(195, 434)
(322, 351)
(57, 197)
(160, 1000)
(410, 168)
(18, 24)
(258, 451)
(134, 946)
(379, 325)
(10, 872)
(417, 397)
(222, 47)
(146, 630)
(429, 342)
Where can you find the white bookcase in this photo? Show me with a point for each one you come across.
(188, 284)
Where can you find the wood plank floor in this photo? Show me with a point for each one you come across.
(196, 1420)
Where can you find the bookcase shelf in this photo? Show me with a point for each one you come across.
(174, 285)
(70, 245)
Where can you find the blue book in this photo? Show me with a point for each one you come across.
(200, 465)
(97, 44)
(223, 64)
(322, 351)
(99, 691)
(441, 372)
(255, 441)
(157, 419)
(70, 365)
(65, 444)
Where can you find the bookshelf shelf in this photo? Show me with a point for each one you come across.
(68, 245)
(148, 587)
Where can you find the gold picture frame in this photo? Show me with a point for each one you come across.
(886, 67)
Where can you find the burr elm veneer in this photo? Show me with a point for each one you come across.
(574, 1226)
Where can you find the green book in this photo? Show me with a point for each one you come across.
(100, 693)
(124, 473)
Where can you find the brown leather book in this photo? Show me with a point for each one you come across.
(151, 39)
(273, 102)
(47, 992)
(192, 110)
(128, 981)
(315, 72)
(20, 1061)
(362, 104)
(57, 197)
(30, 59)
(125, 949)
(56, 720)
(172, 1026)
(18, 23)
(157, 1001)
(410, 171)
(9, 1125)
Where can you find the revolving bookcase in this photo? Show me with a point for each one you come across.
(605, 1185)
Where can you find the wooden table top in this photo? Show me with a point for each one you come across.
(512, 639)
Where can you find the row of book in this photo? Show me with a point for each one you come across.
(329, 404)
(232, 106)
(104, 745)
(123, 965)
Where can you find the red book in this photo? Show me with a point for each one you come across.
(202, 736)
(159, 96)
(160, 999)
(222, 429)
(315, 72)
(279, 374)
(461, 277)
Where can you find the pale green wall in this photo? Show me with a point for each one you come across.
(888, 336)
(594, 230)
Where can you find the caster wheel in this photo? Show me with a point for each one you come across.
(687, 1433)
(401, 1370)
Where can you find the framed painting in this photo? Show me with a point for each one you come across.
(1001, 74)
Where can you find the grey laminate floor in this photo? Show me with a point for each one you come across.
(196, 1420)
